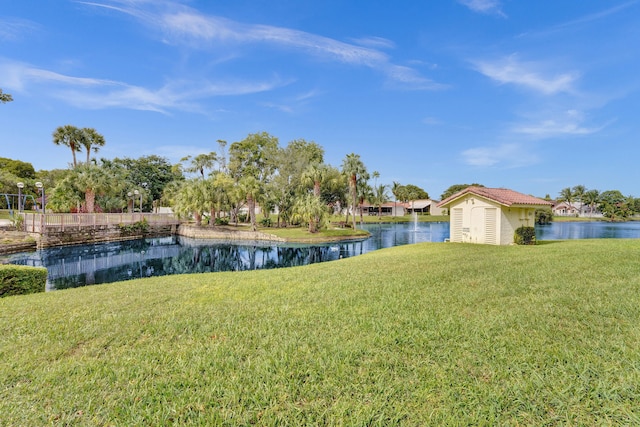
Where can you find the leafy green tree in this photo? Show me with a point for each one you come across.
(457, 188)
(156, 171)
(354, 169)
(253, 157)
(5, 97)
(614, 205)
(251, 188)
(69, 136)
(91, 140)
(20, 169)
(543, 216)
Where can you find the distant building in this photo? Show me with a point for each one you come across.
(424, 207)
(489, 215)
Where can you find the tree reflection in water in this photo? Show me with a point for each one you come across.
(75, 266)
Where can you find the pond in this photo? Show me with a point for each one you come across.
(75, 266)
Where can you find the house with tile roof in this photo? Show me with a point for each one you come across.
(489, 215)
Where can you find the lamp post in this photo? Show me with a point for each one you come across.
(130, 201)
(138, 193)
(20, 187)
(144, 186)
(41, 188)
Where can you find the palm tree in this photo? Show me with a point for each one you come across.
(591, 198)
(91, 140)
(191, 200)
(69, 136)
(578, 193)
(314, 175)
(379, 197)
(92, 180)
(310, 209)
(566, 195)
(201, 162)
(5, 97)
(353, 168)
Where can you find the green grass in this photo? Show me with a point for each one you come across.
(302, 233)
(427, 334)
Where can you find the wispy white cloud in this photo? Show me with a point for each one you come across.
(183, 25)
(484, 6)
(14, 29)
(569, 123)
(95, 93)
(375, 42)
(532, 75)
(509, 155)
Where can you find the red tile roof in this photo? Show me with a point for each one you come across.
(502, 196)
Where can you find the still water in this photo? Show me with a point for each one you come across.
(75, 266)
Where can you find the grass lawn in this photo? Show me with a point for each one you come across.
(426, 334)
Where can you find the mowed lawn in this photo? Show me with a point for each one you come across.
(426, 334)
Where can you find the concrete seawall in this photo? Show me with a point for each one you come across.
(224, 233)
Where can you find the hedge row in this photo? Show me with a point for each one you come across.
(21, 279)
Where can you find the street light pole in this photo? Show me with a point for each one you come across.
(20, 187)
(41, 188)
(137, 193)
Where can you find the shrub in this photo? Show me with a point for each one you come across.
(265, 222)
(525, 236)
(222, 221)
(21, 280)
(140, 227)
(544, 216)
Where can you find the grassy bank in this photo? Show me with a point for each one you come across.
(426, 334)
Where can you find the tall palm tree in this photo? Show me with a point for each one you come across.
(591, 198)
(578, 192)
(379, 197)
(201, 162)
(314, 175)
(92, 180)
(69, 136)
(91, 140)
(353, 168)
(566, 195)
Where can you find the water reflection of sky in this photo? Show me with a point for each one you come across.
(74, 266)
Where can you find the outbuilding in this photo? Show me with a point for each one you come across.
(489, 215)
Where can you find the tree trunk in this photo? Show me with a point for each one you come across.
(90, 198)
(252, 212)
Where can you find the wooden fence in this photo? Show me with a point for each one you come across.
(38, 222)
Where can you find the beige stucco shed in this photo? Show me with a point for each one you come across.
(489, 215)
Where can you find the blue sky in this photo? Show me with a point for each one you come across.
(530, 95)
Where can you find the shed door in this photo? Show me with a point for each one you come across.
(456, 225)
(490, 226)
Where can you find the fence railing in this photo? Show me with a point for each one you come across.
(38, 222)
